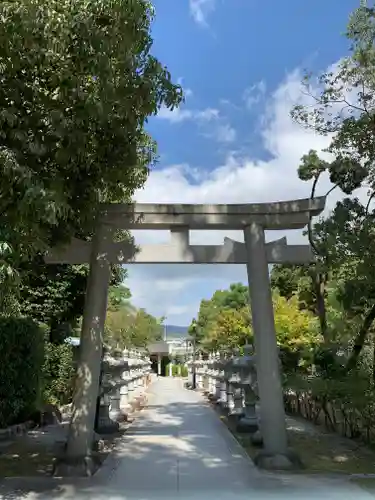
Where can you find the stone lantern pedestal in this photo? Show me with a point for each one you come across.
(249, 420)
(222, 401)
(236, 411)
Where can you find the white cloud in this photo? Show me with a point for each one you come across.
(187, 91)
(200, 10)
(240, 179)
(225, 133)
(164, 285)
(177, 310)
(210, 120)
(253, 94)
(178, 115)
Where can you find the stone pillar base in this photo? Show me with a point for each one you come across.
(212, 397)
(108, 427)
(278, 461)
(222, 402)
(84, 466)
(247, 424)
(235, 413)
(118, 415)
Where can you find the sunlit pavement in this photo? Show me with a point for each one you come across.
(179, 449)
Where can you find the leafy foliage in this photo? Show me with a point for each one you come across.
(58, 374)
(128, 327)
(177, 370)
(297, 332)
(235, 297)
(344, 108)
(229, 325)
(21, 361)
(230, 329)
(78, 83)
(53, 295)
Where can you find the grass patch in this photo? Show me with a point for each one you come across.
(33, 455)
(24, 458)
(366, 483)
(320, 452)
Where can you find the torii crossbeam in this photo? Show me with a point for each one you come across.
(253, 220)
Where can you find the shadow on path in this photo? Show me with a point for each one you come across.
(178, 449)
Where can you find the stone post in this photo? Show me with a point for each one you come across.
(217, 376)
(228, 385)
(272, 413)
(237, 410)
(223, 383)
(131, 377)
(249, 421)
(80, 439)
(159, 364)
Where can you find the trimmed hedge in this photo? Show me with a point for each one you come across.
(176, 370)
(21, 362)
(58, 374)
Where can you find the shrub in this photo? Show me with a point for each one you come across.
(21, 361)
(58, 374)
(176, 370)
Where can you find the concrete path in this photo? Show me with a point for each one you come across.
(178, 449)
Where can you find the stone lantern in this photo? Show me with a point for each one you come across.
(249, 421)
(116, 366)
(216, 368)
(222, 378)
(228, 372)
(198, 371)
(211, 376)
(109, 411)
(235, 382)
(124, 391)
(132, 375)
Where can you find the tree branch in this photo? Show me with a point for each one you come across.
(360, 339)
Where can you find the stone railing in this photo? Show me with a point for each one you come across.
(230, 381)
(125, 377)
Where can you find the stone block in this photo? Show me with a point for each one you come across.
(278, 461)
(257, 439)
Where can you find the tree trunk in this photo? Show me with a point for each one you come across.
(360, 339)
(319, 280)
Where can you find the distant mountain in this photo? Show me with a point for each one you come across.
(175, 331)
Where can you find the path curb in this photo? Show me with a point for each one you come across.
(109, 465)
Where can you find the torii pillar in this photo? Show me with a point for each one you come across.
(272, 413)
(78, 458)
(253, 219)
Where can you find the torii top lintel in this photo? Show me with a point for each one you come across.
(293, 214)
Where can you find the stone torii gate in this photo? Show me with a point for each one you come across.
(253, 220)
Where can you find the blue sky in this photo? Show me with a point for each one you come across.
(240, 63)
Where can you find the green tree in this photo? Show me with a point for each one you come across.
(291, 280)
(236, 297)
(344, 107)
(349, 237)
(230, 329)
(55, 294)
(78, 84)
(127, 327)
(230, 326)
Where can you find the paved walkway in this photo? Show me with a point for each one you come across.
(178, 449)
